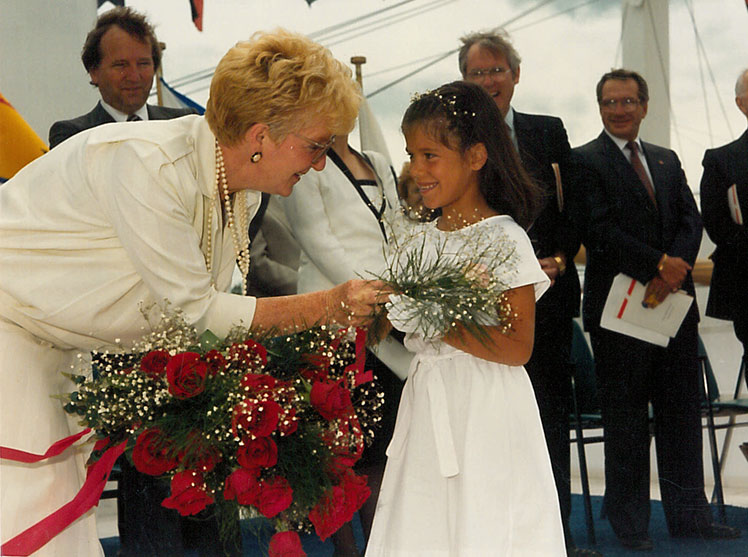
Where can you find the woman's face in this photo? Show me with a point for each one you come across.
(283, 164)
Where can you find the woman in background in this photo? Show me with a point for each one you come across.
(339, 218)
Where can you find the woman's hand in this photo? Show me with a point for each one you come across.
(355, 302)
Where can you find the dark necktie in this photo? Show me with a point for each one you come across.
(640, 171)
(134, 118)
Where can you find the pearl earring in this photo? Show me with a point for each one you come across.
(256, 157)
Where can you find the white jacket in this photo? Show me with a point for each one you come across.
(112, 218)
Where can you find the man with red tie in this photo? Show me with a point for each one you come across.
(639, 218)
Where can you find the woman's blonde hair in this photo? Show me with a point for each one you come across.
(284, 80)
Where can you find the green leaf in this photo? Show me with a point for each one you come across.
(208, 341)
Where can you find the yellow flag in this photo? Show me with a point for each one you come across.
(19, 144)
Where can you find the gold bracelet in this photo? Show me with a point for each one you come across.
(661, 264)
(560, 263)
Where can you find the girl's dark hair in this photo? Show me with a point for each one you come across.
(461, 114)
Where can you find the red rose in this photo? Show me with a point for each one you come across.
(259, 382)
(188, 495)
(243, 486)
(154, 454)
(154, 363)
(248, 353)
(288, 423)
(200, 454)
(275, 496)
(331, 399)
(337, 468)
(258, 418)
(329, 514)
(317, 367)
(286, 544)
(186, 375)
(347, 442)
(216, 362)
(356, 492)
(257, 453)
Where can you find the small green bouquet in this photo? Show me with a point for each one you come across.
(441, 279)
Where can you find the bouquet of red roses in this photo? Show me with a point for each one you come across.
(272, 427)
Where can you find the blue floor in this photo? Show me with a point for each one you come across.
(256, 534)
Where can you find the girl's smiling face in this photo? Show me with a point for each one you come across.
(446, 177)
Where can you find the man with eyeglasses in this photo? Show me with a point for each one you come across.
(640, 219)
(490, 60)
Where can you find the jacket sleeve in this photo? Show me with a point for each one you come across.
(567, 237)
(714, 208)
(687, 238)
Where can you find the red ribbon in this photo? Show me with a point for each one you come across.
(36, 536)
(361, 376)
(57, 448)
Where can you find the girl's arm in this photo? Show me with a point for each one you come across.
(512, 348)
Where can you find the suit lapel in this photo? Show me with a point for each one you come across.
(657, 170)
(622, 167)
(154, 113)
(99, 115)
(525, 143)
(738, 158)
(532, 150)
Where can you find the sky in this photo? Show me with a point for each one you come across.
(565, 45)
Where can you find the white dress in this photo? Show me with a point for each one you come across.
(468, 472)
(115, 216)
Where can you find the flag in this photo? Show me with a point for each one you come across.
(197, 13)
(174, 99)
(19, 144)
(371, 135)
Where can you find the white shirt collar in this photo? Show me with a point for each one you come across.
(509, 119)
(621, 143)
(121, 116)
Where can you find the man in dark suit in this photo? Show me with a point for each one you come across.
(639, 218)
(490, 60)
(121, 55)
(723, 167)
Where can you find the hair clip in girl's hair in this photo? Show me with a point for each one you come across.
(449, 103)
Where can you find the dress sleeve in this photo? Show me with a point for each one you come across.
(151, 203)
(524, 268)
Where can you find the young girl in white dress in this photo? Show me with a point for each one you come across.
(468, 472)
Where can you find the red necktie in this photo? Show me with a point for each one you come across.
(640, 171)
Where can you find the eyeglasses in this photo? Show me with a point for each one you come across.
(628, 104)
(476, 75)
(320, 149)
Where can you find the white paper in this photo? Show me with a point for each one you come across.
(733, 202)
(624, 313)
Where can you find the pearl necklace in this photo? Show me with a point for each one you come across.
(240, 233)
